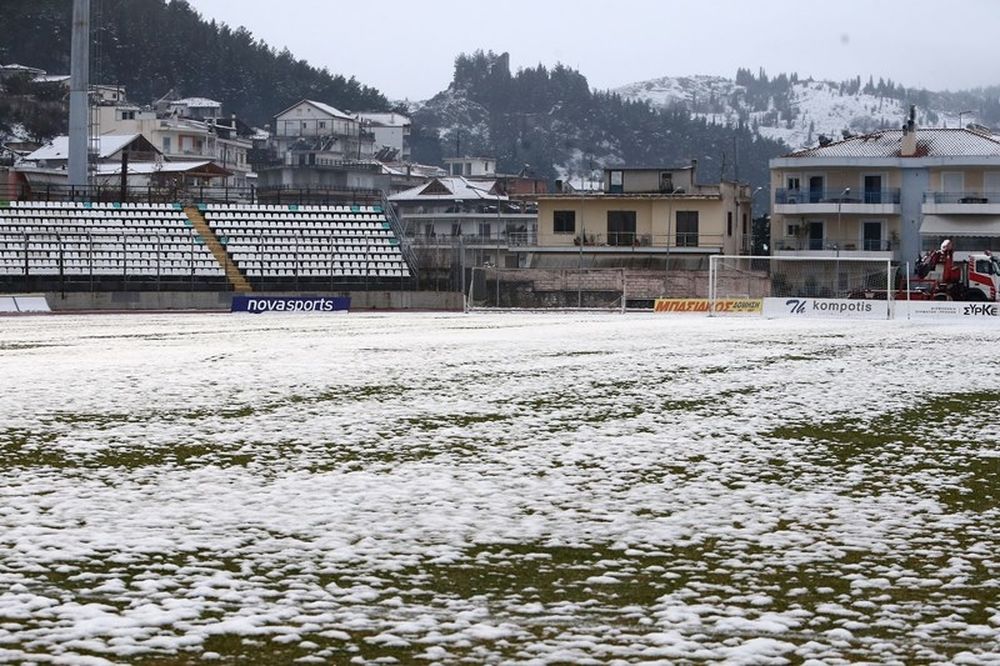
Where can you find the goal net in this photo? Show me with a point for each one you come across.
(738, 277)
(544, 289)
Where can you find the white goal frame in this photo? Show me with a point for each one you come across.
(715, 259)
(469, 304)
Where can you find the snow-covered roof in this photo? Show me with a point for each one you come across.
(386, 119)
(146, 168)
(197, 103)
(418, 170)
(450, 189)
(14, 67)
(930, 143)
(108, 145)
(325, 108)
(52, 78)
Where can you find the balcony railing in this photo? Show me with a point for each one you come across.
(661, 241)
(962, 197)
(835, 244)
(510, 239)
(786, 196)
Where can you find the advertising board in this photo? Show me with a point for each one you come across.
(700, 305)
(947, 310)
(291, 304)
(831, 308)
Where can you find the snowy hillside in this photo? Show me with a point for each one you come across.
(810, 108)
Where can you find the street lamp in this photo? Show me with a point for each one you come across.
(748, 242)
(840, 202)
(960, 114)
(670, 215)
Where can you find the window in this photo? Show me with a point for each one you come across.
(666, 182)
(429, 230)
(322, 124)
(816, 186)
(456, 228)
(621, 227)
(872, 236)
(564, 222)
(617, 181)
(687, 228)
(729, 223)
(953, 181)
(484, 229)
(991, 186)
(166, 144)
(746, 224)
(792, 183)
(456, 168)
(817, 235)
(873, 189)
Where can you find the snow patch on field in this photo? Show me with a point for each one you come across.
(577, 488)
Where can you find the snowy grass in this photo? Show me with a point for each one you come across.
(498, 488)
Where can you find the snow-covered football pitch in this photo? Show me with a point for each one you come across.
(498, 489)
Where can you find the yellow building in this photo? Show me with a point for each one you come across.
(649, 213)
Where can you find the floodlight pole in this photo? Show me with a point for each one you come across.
(79, 105)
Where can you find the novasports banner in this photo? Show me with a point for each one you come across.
(261, 304)
(723, 305)
(836, 308)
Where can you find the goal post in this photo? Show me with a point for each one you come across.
(493, 289)
(796, 277)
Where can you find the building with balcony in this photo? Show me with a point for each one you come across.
(314, 145)
(392, 135)
(225, 142)
(453, 211)
(888, 194)
(645, 216)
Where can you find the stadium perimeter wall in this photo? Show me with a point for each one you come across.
(160, 301)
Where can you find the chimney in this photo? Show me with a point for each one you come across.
(909, 143)
(694, 169)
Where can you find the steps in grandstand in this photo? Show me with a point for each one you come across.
(233, 272)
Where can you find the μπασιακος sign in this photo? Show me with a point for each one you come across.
(726, 305)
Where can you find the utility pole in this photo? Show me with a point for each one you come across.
(79, 103)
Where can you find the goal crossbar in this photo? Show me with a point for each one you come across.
(719, 261)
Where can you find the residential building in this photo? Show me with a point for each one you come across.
(453, 210)
(392, 135)
(225, 142)
(196, 108)
(314, 145)
(143, 163)
(657, 214)
(471, 167)
(888, 194)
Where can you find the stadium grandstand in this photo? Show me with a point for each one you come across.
(202, 239)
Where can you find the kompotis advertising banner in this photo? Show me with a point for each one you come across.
(700, 305)
(830, 308)
(291, 304)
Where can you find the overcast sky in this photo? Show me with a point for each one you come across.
(407, 49)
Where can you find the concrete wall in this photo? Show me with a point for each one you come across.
(151, 301)
(539, 288)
